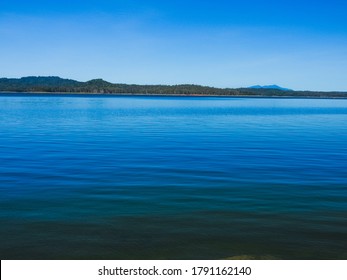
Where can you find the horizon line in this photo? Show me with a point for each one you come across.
(276, 86)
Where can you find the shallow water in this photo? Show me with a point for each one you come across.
(86, 177)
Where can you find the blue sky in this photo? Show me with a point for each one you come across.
(296, 44)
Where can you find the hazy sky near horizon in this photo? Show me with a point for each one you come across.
(295, 44)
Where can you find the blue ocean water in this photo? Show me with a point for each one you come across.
(97, 177)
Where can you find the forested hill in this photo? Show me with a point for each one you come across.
(59, 85)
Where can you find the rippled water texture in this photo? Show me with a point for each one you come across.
(86, 177)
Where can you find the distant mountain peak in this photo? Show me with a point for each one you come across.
(271, 87)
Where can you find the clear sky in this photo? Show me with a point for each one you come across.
(292, 43)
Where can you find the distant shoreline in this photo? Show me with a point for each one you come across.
(53, 85)
(9, 93)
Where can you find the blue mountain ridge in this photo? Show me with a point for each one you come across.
(271, 87)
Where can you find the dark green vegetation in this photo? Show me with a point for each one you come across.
(59, 85)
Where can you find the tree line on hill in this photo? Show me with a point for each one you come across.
(99, 86)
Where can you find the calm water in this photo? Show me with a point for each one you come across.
(172, 178)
